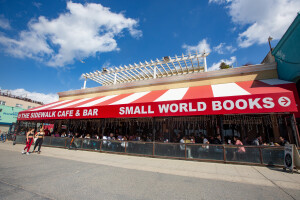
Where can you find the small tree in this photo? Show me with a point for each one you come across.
(224, 66)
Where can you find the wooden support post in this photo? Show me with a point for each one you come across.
(125, 146)
(295, 129)
(221, 128)
(101, 145)
(185, 150)
(224, 153)
(260, 156)
(153, 128)
(153, 134)
(275, 128)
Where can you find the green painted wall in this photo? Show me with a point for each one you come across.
(287, 53)
(9, 114)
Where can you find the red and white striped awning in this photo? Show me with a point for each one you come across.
(264, 96)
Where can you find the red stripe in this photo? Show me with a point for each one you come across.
(51, 107)
(84, 102)
(42, 106)
(150, 97)
(258, 87)
(112, 100)
(199, 92)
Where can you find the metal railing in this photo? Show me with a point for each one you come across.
(253, 155)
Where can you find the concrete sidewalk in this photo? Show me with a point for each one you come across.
(255, 175)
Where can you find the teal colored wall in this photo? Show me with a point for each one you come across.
(9, 114)
(287, 53)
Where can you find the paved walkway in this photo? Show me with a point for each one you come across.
(254, 175)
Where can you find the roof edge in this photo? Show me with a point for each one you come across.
(174, 79)
(287, 34)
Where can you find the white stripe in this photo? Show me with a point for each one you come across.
(275, 81)
(228, 89)
(72, 103)
(47, 106)
(97, 101)
(173, 94)
(130, 98)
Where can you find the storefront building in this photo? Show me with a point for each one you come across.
(246, 101)
(286, 54)
(10, 106)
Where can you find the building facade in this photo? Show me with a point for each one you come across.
(10, 106)
(246, 102)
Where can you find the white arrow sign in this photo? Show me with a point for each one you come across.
(284, 101)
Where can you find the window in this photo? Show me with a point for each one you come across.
(19, 105)
(30, 107)
(2, 102)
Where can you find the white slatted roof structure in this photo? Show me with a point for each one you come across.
(166, 67)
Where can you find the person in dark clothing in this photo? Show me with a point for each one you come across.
(282, 141)
(40, 137)
(218, 140)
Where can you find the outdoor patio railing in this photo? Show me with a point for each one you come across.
(257, 155)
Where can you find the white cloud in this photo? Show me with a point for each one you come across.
(79, 33)
(200, 47)
(222, 48)
(45, 98)
(37, 4)
(4, 23)
(216, 66)
(219, 1)
(263, 18)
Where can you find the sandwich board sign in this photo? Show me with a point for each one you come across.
(289, 156)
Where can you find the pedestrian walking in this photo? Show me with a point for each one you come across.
(40, 138)
(29, 140)
(3, 136)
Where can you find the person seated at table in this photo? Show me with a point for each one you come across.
(148, 139)
(282, 141)
(257, 141)
(237, 141)
(63, 134)
(217, 139)
(211, 139)
(56, 134)
(205, 140)
(104, 137)
(193, 139)
(111, 137)
(240, 150)
(119, 137)
(183, 147)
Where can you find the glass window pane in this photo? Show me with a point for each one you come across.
(169, 150)
(113, 146)
(242, 154)
(273, 156)
(209, 152)
(139, 148)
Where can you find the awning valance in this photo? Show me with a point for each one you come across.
(263, 96)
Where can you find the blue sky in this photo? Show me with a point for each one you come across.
(45, 46)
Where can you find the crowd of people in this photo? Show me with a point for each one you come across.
(206, 141)
(175, 138)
